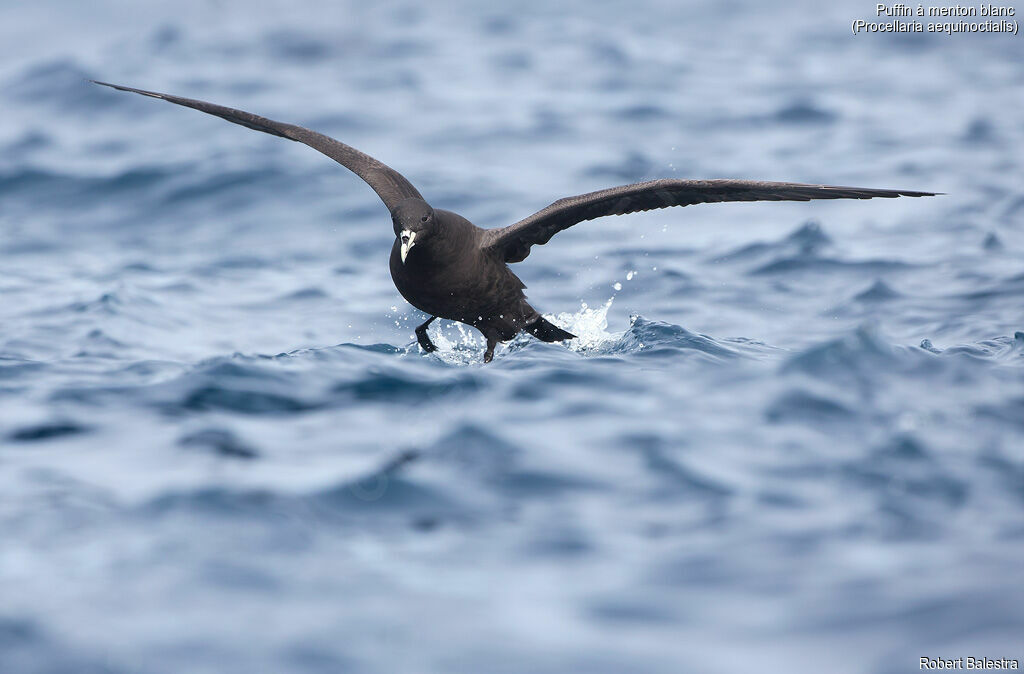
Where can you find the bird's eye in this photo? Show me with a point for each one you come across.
(424, 218)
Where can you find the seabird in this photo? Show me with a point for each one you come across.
(447, 267)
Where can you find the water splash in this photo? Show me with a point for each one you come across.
(590, 325)
(459, 344)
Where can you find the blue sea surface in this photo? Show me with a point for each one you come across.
(790, 436)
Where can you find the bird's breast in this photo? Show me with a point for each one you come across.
(459, 288)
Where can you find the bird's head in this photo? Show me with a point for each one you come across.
(414, 222)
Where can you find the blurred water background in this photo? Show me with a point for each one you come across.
(789, 438)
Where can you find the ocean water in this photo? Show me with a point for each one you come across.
(790, 437)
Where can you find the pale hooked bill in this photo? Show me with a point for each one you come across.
(408, 241)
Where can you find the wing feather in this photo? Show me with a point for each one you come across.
(390, 185)
(514, 242)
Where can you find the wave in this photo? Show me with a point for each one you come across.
(1007, 350)
(57, 186)
(812, 408)
(909, 483)
(59, 82)
(785, 265)
(220, 442)
(808, 239)
(880, 291)
(413, 484)
(16, 368)
(311, 380)
(398, 386)
(48, 430)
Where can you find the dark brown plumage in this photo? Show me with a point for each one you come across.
(460, 271)
(516, 239)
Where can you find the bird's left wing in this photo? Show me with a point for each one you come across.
(390, 185)
(513, 243)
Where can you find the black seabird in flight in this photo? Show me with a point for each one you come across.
(447, 267)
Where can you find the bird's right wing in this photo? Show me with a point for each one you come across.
(513, 243)
(390, 185)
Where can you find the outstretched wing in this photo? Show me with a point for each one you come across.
(514, 242)
(390, 185)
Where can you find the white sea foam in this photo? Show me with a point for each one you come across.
(590, 325)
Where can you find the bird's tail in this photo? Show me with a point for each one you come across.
(546, 331)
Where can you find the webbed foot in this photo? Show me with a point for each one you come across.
(423, 338)
(489, 353)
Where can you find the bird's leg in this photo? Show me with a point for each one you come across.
(492, 341)
(423, 339)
